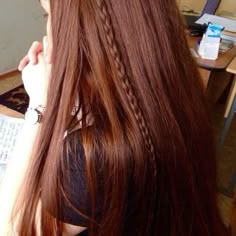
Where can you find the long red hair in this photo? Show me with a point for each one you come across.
(151, 146)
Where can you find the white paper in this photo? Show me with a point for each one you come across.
(9, 130)
(230, 25)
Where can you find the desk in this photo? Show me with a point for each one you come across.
(232, 66)
(213, 65)
(213, 72)
(231, 69)
(7, 111)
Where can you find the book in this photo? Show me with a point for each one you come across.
(10, 129)
(229, 38)
(225, 32)
(229, 35)
(225, 45)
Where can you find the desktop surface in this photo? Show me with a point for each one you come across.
(220, 64)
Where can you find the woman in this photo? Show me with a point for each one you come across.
(125, 144)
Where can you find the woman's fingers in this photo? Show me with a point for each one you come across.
(35, 49)
(32, 55)
(23, 63)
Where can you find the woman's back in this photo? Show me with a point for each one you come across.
(148, 156)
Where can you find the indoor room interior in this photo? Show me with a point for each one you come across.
(219, 85)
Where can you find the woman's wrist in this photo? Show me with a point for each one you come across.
(33, 103)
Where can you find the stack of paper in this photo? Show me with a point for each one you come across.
(231, 36)
(9, 131)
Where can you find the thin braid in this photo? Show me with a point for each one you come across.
(106, 20)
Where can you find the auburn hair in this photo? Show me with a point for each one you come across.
(150, 146)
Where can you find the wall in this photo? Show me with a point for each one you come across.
(21, 23)
(226, 7)
(195, 5)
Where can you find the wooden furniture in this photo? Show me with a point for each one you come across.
(231, 102)
(213, 68)
(214, 76)
(7, 111)
(231, 69)
(213, 65)
(9, 74)
(9, 81)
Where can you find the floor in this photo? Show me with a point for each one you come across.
(226, 153)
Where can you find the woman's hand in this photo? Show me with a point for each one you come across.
(36, 76)
(32, 55)
(35, 49)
